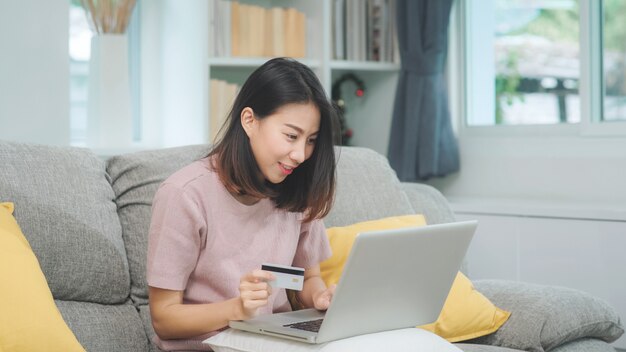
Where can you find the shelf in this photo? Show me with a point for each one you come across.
(601, 211)
(364, 65)
(369, 118)
(252, 62)
(247, 62)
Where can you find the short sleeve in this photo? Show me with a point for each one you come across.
(175, 238)
(313, 246)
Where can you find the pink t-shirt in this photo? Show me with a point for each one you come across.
(202, 241)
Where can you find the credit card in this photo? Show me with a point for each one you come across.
(289, 277)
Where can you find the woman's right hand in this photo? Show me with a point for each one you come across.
(254, 292)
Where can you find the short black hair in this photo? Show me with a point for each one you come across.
(311, 186)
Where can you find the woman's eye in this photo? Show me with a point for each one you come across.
(291, 136)
(312, 141)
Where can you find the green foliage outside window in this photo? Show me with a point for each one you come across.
(506, 86)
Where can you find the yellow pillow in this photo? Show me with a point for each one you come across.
(466, 313)
(342, 238)
(30, 321)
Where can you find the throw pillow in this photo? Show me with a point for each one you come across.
(466, 313)
(548, 316)
(401, 340)
(30, 321)
(342, 238)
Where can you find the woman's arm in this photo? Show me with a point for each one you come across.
(315, 294)
(172, 319)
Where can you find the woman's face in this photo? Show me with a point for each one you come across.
(282, 141)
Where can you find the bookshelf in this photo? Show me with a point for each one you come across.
(370, 116)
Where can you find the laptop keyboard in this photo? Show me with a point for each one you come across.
(311, 325)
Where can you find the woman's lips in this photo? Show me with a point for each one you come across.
(286, 170)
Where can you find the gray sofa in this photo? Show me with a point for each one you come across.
(87, 221)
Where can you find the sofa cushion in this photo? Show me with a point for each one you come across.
(544, 317)
(427, 200)
(24, 294)
(389, 341)
(100, 327)
(470, 347)
(135, 178)
(64, 204)
(367, 189)
(146, 319)
(585, 345)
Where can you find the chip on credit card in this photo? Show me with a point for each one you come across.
(289, 277)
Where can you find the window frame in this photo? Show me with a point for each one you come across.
(591, 88)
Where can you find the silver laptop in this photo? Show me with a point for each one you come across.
(393, 279)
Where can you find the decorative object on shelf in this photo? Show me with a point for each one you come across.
(109, 116)
(346, 133)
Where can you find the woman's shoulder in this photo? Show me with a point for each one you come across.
(189, 176)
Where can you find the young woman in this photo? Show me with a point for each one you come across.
(258, 197)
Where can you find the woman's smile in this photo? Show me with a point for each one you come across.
(286, 170)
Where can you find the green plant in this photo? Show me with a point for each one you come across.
(507, 83)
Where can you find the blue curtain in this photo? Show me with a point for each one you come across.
(422, 144)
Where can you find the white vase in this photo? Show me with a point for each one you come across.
(109, 116)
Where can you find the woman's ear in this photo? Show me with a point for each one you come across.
(248, 120)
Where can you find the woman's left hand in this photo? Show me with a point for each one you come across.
(321, 299)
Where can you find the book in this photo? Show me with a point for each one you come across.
(339, 30)
(291, 38)
(277, 47)
(234, 29)
(256, 31)
(223, 95)
(364, 30)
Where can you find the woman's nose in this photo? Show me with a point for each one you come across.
(298, 153)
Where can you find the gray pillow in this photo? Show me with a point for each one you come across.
(367, 189)
(64, 205)
(544, 317)
(135, 178)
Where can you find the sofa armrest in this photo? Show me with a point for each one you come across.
(429, 201)
(545, 317)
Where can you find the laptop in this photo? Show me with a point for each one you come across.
(393, 279)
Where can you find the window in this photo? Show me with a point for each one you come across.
(614, 60)
(544, 62)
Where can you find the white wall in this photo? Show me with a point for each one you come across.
(34, 71)
(574, 170)
(174, 59)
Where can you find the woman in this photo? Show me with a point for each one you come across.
(258, 197)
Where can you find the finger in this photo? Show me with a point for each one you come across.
(322, 303)
(255, 295)
(263, 275)
(259, 286)
(257, 276)
(326, 293)
(251, 305)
